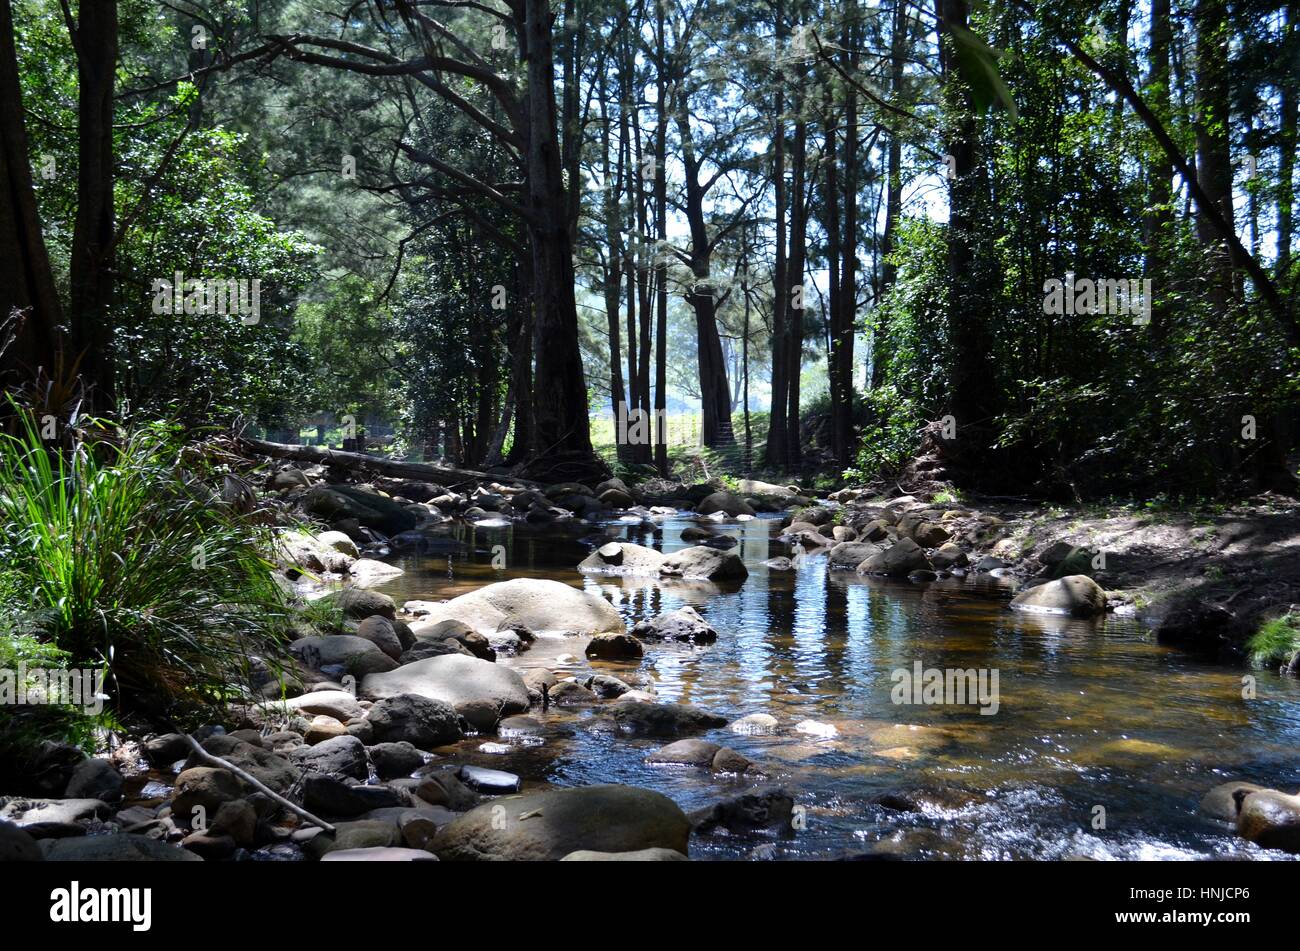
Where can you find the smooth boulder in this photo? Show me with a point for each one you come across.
(539, 603)
(479, 690)
(547, 826)
(1076, 595)
(703, 562)
(684, 624)
(898, 560)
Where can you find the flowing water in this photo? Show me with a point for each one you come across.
(1096, 723)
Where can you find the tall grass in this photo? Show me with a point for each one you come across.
(1276, 643)
(128, 560)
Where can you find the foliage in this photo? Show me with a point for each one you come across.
(1276, 643)
(127, 559)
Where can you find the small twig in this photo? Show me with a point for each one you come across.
(260, 787)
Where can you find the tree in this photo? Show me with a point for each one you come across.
(30, 313)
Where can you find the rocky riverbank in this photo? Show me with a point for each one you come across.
(351, 747)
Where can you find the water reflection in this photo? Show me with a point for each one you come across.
(1091, 713)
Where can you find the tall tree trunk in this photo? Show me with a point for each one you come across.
(844, 328)
(571, 124)
(774, 454)
(795, 303)
(1288, 141)
(1158, 222)
(614, 172)
(831, 225)
(1213, 156)
(522, 371)
(561, 435)
(971, 377)
(715, 391)
(899, 42)
(94, 37)
(26, 281)
(661, 271)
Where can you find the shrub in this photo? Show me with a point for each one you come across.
(126, 559)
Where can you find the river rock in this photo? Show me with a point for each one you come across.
(688, 752)
(267, 767)
(770, 490)
(876, 530)
(898, 560)
(640, 855)
(95, 779)
(338, 704)
(704, 562)
(727, 760)
(394, 759)
(756, 724)
(606, 686)
(332, 502)
(327, 795)
(201, 790)
(366, 572)
(357, 834)
(760, 809)
(614, 647)
(359, 604)
(1270, 819)
(570, 693)
(1076, 595)
(684, 624)
(442, 786)
(948, 556)
(379, 631)
(539, 603)
(622, 558)
(662, 719)
(356, 655)
(339, 757)
(1222, 802)
(848, 555)
(238, 820)
(480, 691)
(418, 720)
(617, 498)
(549, 825)
(51, 818)
(930, 535)
(166, 749)
(724, 502)
(322, 728)
(123, 847)
(17, 845)
(539, 678)
(426, 649)
(379, 854)
(492, 782)
(458, 632)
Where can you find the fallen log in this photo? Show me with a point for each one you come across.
(415, 471)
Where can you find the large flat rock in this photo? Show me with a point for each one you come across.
(539, 603)
(479, 690)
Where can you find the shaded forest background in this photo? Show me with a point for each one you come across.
(813, 236)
